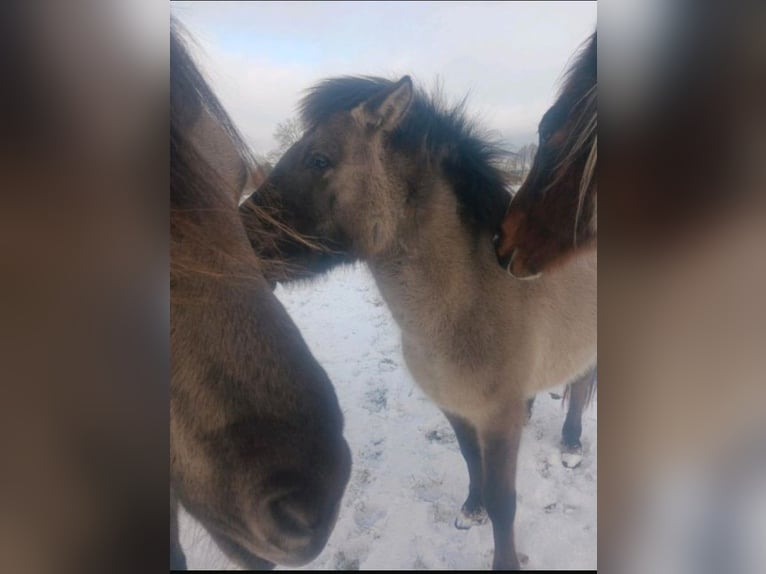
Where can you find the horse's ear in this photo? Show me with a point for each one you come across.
(386, 111)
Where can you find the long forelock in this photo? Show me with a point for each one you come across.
(582, 138)
(195, 187)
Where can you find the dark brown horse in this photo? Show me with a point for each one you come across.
(257, 453)
(393, 177)
(553, 215)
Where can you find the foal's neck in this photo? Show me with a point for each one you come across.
(439, 261)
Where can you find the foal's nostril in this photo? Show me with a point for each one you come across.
(295, 514)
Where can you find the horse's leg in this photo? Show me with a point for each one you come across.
(571, 447)
(177, 558)
(500, 449)
(472, 511)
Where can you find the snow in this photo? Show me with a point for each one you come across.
(409, 478)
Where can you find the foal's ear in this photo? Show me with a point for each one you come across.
(386, 111)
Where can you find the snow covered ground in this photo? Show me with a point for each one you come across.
(409, 479)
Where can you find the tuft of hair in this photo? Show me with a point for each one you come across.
(470, 157)
(196, 189)
(578, 99)
(190, 93)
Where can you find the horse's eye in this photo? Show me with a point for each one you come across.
(319, 161)
(545, 127)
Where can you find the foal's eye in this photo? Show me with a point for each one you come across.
(318, 161)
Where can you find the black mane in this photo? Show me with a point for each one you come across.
(583, 73)
(470, 156)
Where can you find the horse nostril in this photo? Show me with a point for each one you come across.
(296, 515)
(503, 259)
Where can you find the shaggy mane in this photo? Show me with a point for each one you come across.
(470, 157)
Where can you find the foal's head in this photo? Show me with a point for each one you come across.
(257, 452)
(365, 172)
(554, 213)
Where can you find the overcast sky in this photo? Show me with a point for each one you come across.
(260, 56)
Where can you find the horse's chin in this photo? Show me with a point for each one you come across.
(241, 556)
(253, 562)
(264, 554)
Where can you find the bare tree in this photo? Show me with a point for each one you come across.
(287, 133)
(531, 152)
(526, 158)
(264, 163)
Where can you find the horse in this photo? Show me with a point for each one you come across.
(553, 215)
(389, 175)
(257, 453)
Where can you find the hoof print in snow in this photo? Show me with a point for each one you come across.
(441, 436)
(363, 476)
(544, 468)
(376, 400)
(387, 365)
(468, 518)
(343, 562)
(373, 451)
(571, 456)
(368, 516)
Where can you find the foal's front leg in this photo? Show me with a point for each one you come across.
(499, 450)
(472, 511)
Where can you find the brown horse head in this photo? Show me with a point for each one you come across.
(553, 215)
(257, 453)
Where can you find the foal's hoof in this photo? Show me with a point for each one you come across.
(571, 456)
(467, 518)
